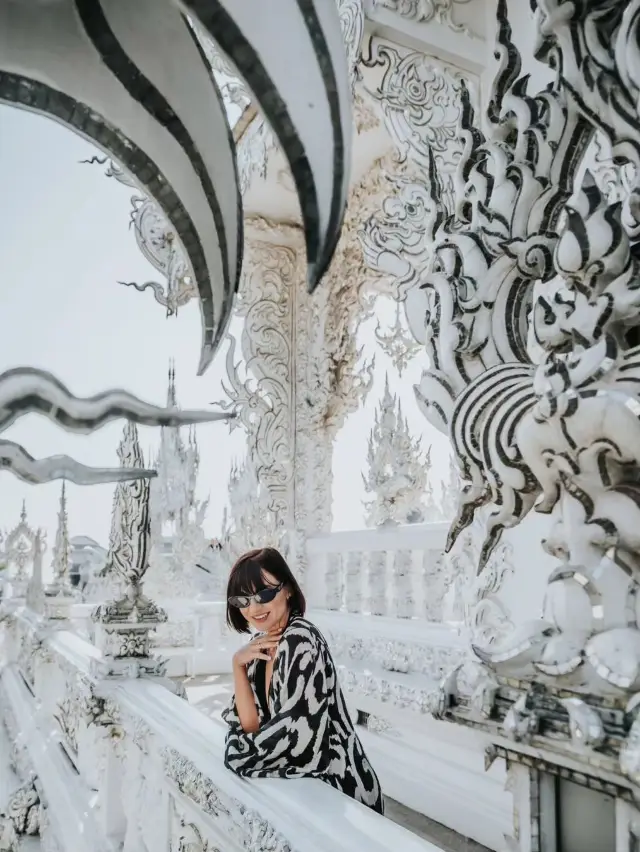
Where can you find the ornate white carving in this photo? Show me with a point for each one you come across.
(615, 181)
(420, 101)
(352, 22)
(450, 492)
(126, 621)
(398, 472)
(475, 598)
(265, 401)
(35, 588)
(187, 837)
(179, 546)
(246, 828)
(232, 87)
(425, 11)
(20, 817)
(173, 491)
(19, 551)
(330, 367)
(401, 693)
(561, 433)
(254, 147)
(397, 343)
(424, 658)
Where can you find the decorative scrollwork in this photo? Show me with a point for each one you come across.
(425, 11)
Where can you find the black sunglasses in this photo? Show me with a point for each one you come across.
(262, 597)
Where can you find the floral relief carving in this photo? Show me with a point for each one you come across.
(264, 401)
(330, 369)
(556, 432)
(394, 655)
(20, 817)
(247, 828)
(425, 11)
(421, 103)
(253, 150)
(397, 342)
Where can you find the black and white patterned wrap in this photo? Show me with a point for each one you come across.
(309, 732)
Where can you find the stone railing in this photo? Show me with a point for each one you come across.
(107, 763)
(380, 596)
(390, 571)
(395, 612)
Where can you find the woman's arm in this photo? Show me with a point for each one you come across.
(244, 708)
(290, 743)
(245, 702)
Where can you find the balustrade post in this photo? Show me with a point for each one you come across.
(378, 582)
(334, 581)
(403, 597)
(354, 580)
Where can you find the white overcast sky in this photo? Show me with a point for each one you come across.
(64, 245)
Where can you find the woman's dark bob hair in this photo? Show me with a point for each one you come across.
(246, 579)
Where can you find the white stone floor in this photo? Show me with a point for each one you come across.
(211, 693)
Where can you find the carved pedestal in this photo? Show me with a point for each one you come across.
(122, 634)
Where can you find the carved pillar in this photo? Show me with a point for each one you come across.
(302, 375)
(273, 280)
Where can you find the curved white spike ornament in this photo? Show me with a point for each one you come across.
(165, 121)
(101, 68)
(26, 389)
(309, 111)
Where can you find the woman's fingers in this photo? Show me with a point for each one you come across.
(265, 642)
(262, 657)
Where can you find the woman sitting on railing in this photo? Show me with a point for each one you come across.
(288, 717)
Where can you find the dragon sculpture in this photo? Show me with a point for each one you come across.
(133, 79)
(532, 300)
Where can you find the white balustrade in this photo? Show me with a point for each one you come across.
(384, 571)
(379, 596)
(391, 607)
(123, 763)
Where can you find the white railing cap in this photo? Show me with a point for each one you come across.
(403, 537)
(310, 814)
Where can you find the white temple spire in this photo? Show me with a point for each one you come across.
(61, 548)
(398, 471)
(172, 400)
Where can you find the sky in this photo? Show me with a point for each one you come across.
(65, 243)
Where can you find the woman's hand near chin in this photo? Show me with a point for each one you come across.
(261, 648)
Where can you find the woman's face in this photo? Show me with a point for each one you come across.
(268, 616)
